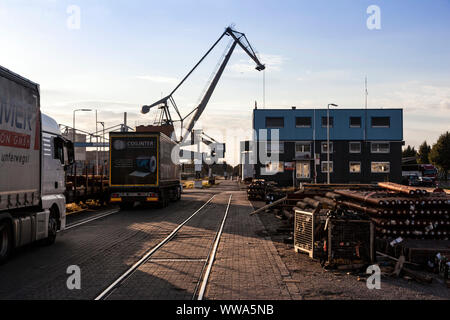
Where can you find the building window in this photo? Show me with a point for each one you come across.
(302, 147)
(275, 147)
(355, 122)
(303, 122)
(274, 122)
(354, 147)
(381, 122)
(273, 168)
(303, 170)
(325, 121)
(380, 147)
(381, 167)
(324, 147)
(355, 167)
(325, 165)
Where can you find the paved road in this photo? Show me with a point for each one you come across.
(247, 265)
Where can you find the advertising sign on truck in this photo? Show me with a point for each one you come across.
(19, 141)
(142, 169)
(134, 160)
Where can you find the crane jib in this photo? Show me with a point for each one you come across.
(197, 112)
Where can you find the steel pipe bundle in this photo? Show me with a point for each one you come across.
(401, 211)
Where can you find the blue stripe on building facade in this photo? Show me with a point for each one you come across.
(341, 129)
(342, 133)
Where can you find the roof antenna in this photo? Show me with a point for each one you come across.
(366, 92)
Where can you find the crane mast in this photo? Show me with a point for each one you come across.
(238, 39)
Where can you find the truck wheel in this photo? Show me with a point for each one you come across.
(52, 227)
(164, 199)
(5, 241)
(167, 202)
(175, 194)
(178, 193)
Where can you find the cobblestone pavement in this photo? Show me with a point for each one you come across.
(247, 265)
(103, 249)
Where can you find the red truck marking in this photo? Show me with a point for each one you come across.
(14, 139)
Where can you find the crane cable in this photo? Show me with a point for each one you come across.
(264, 89)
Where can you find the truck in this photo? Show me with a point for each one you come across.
(142, 170)
(33, 159)
(423, 174)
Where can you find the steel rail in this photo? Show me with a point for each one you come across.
(212, 256)
(105, 293)
(84, 221)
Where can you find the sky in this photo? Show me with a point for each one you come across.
(117, 55)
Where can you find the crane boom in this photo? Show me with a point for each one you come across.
(201, 107)
(238, 39)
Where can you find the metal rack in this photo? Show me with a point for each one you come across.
(304, 232)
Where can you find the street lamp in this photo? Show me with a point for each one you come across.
(102, 148)
(328, 140)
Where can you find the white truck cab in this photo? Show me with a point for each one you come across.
(55, 158)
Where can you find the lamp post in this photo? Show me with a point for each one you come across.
(96, 140)
(328, 140)
(102, 148)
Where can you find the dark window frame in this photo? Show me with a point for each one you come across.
(324, 144)
(303, 143)
(328, 165)
(274, 126)
(350, 148)
(378, 149)
(388, 125)
(354, 163)
(303, 126)
(355, 125)
(324, 122)
(374, 163)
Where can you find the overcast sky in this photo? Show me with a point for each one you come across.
(124, 54)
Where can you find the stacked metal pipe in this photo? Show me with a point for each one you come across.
(258, 189)
(401, 212)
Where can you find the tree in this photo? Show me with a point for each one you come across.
(424, 152)
(409, 152)
(440, 153)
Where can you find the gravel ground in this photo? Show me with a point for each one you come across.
(316, 283)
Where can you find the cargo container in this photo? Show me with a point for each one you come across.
(142, 170)
(33, 157)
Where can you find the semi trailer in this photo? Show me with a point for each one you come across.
(33, 159)
(142, 170)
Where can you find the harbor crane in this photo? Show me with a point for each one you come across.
(238, 39)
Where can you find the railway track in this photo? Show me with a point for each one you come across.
(208, 261)
(96, 217)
